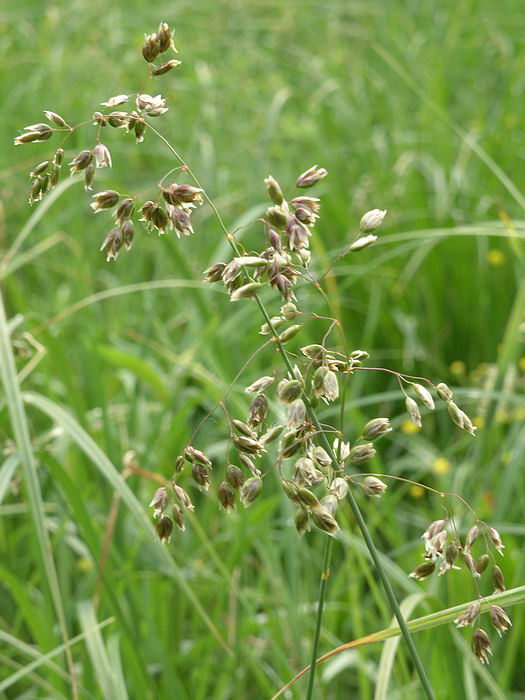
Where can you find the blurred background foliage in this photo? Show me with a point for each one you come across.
(413, 107)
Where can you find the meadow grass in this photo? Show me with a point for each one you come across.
(409, 108)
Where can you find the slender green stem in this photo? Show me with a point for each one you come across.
(313, 416)
(325, 575)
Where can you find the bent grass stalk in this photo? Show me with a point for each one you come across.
(353, 503)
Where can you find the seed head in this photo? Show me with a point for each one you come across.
(422, 571)
(80, 161)
(481, 645)
(451, 555)
(288, 390)
(372, 220)
(362, 243)
(226, 496)
(258, 411)
(55, 118)
(234, 476)
(39, 169)
(165, 37)
(118, 120)
(247, 291)
(362, 453)
(272, 434)
(276, 216)
(325, 385)
(104, 200)
(495, 539)
(296, 414)
(183, 497)
(339, 488)
(164, 529)
(260, 384)
(330, 503)
(243, 429)
(159, 502)
(179, 464)
(444, 392)
(128, 231)
(274, 190)
(165, 67)
(34, 133)
(178, 517)
(468, 616)
(469, 561)
(196, 456)
(200, 476)
(310, 177)
(498, 579)
(249, 464)
(250, 490)
(500, 620)
(325, 520)
(305, 474)
(115, 101)
(373, 486)
(314, 352)
(434, 529)
(424, 395)
(375, 428)
(472, 536)
(301, 520)
(320, 457)
(125, 210)
(102, 156)
(248, 445)
(112, 243)
(482, 563)
(413, 411)
(151, 47)
(214, 273)
(344, 449)
(180, 220)
(289, 311)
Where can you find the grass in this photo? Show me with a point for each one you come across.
(136, 353)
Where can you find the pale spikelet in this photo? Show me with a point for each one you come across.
(260, 384)
(372, 220)
(375, 428)
(500, 620)
(469, 615)
(424, 395)
(159, 502)
(413, 411)
(373, 486)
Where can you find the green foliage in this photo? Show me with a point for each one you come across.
(409, 108)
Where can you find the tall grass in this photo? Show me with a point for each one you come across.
(131, 361)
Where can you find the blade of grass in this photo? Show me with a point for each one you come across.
(386, 662)
(22, 437)
(514, 596)
(108, 471)
(42, 658)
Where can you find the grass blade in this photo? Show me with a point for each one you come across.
(22, 437)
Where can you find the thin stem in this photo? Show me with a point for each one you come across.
(325, 575)
(313, 416)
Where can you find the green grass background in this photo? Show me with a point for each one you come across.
(414, 107)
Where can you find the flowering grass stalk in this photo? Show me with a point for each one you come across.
(315, 473)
